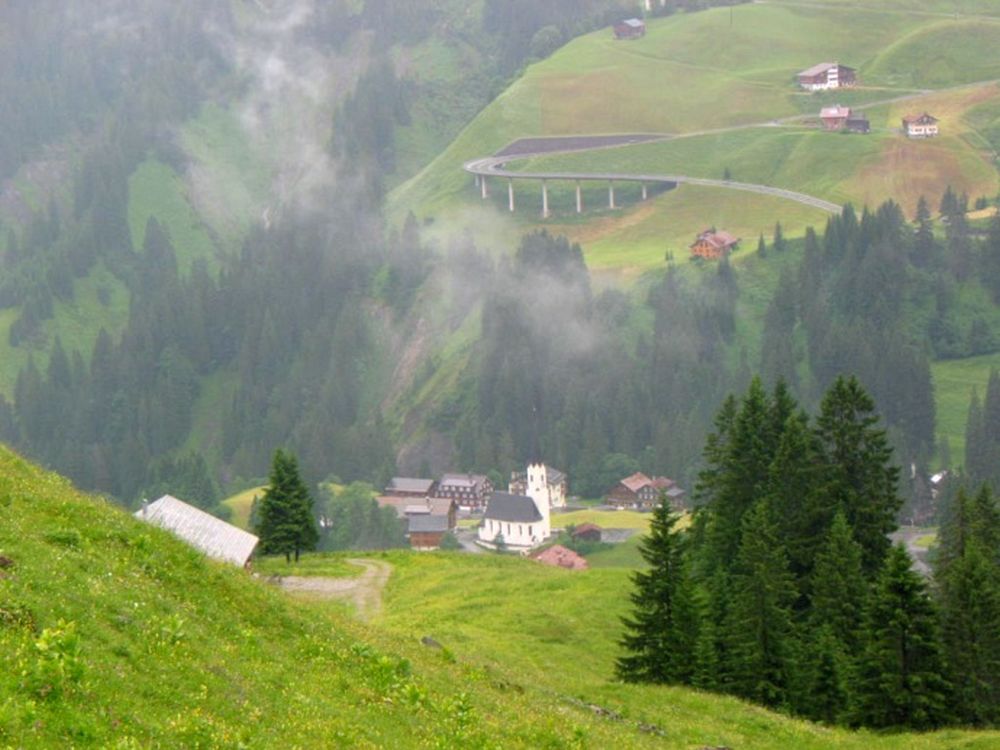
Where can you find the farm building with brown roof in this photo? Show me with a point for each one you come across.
(640, 492)
(920, 126)
(826, 75)
(713, 245)
(632, 28)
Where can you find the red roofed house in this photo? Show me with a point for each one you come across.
(835, 118)
(827, 76)
(559, 557)
(920, 126)
(632, 28)
(713, 245)
(642, 493)
(588, 532)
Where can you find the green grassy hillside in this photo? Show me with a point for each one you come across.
(556, 631)
(114, 634)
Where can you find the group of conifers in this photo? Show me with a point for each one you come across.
(786, 590)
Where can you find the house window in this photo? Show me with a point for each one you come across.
(520, 529)
(530, 532)
(508, 529)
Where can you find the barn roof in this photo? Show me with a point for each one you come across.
(919, 119)
(428, 523)
(409, 484)
(203, 531)
(583, 528)
(635, 23)
(462, 481)
(503, 506)
(835, 111)
(815, 70)
(636, 482)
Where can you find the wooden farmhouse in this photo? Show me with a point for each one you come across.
(469, 491)
(713, 245)
(540, 480)
(410, 487)
(632, 28)
(858, 124)
(835, 117)
(406, 507)
(920, 126)
(518, 520)
(426, 530)
(825, 76)
(203, 531)
(640, 492)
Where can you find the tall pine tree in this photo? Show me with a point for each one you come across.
(285, 520)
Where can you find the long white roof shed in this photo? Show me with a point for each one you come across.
(203, 531)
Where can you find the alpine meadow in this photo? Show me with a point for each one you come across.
(500, 374)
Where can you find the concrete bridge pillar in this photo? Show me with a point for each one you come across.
(579, 198)
(545, 200)
(510, 195)
(482, 186)
(611, 193)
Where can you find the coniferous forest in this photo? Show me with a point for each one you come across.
(786, 591)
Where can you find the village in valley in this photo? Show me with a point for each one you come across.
(526, 519)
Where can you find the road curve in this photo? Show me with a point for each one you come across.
(495, 166)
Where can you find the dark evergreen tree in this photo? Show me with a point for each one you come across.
(661, 632)
(901, 679)
(758, 631)
(860, 478)
(286, 523)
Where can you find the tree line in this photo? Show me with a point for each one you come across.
(786, 591)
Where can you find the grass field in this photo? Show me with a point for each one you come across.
(555, 631)
(114, 634)
(954, 381)
(155, 191)
(76, 323)
(751, 73)
(240, 505)
(608, 519)
(333, 565)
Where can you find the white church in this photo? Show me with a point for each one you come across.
(521, 517)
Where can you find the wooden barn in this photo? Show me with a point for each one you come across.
(203, 531)
(640, 492)
(410, 487)
(587, 532)
(920, 126)
(825, 76)
(713, 245)
(835, 117)
(468, 490)
(631, 28)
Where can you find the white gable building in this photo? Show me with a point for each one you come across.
(542, 483)
(520, 521)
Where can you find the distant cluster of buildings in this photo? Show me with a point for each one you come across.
(518, 519)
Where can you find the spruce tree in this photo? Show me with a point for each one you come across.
(900, 680)
(838, 589)
(967, 572)
(778, 243)
(286, 523)
(758, 630)
(761, 246)
(860, 477)
(661, 631)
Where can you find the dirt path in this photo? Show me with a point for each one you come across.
(363, 591)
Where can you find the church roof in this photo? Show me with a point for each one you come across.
(503, 506)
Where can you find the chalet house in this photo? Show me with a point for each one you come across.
(550, 483)
(587, 532)
(825, 76)
(713, 245)
(835, 117)
(470, 491)
(426, 530)
(640, 492)
(410, 487)
(560, 557)
(632, 28)
(920, 126)
(516, 519)
(203, 531)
